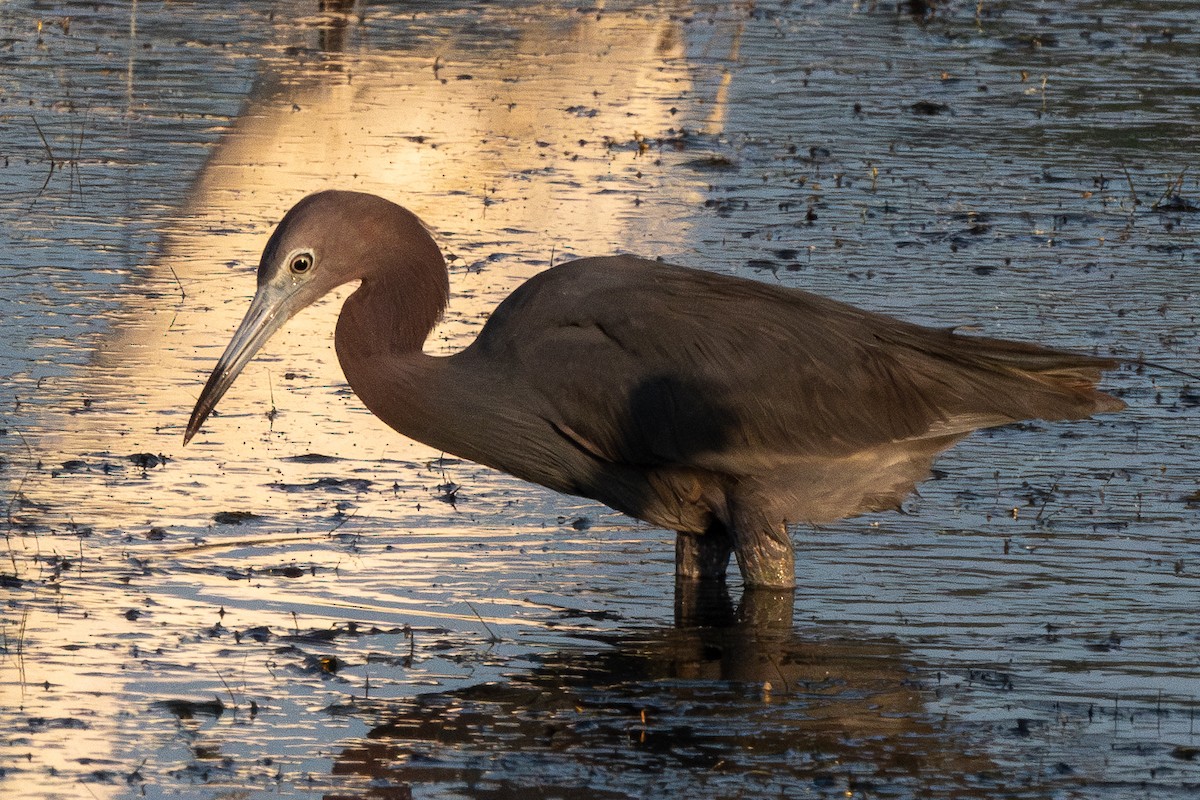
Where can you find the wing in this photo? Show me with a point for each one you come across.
(643, 363)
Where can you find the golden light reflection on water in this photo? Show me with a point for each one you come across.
(517, 152)
(457, 151)
(451, 130)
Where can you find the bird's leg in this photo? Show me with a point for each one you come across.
(764, 550)
(703, 556)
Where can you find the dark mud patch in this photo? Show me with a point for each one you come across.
(235, 517)
(337, 485)
(711, 163)
(928, 108)
(190, 709)
(147, 460)
(311, 458)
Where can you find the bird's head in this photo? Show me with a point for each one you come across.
(325, 240)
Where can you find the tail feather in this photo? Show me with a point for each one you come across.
(996, 381)
(1073, 376)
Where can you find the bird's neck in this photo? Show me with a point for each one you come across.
(392, 312)
(380, 333)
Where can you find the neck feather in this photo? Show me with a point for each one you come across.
(396, 305)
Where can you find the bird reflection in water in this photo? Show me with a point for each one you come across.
(736, 700)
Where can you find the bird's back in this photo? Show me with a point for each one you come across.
(679, 372)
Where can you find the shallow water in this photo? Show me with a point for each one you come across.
(1027, 629)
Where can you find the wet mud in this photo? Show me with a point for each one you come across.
(302, 603)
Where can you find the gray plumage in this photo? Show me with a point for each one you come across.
(718, 407)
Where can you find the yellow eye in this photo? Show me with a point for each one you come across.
(301, 263)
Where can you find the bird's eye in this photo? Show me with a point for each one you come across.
(301, 263)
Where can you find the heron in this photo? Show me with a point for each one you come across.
(721, 408)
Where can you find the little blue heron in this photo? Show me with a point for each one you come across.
(714, 406)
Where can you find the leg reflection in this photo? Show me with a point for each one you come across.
(767, 608)
(707, 604)
(703, 604)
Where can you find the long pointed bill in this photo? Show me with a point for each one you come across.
(269, 310)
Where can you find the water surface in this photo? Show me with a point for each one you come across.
(293, 605)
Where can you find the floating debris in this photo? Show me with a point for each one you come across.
(356, 485)
(234, 517)
(188, 709)
(147, 460)
(928, 108)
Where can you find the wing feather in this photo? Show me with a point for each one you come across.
(644, 363)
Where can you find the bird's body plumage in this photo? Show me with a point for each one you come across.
(719, 407)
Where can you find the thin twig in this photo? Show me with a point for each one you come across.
(179, 283)
(1174, 187)
(45, 143)
(45, 183)
(13, 498)
(1046, 501)
(223, 683)
(274, 412)
(21, 648)
(492, 637)
(1129, 179)
(76, 174)
(345, 518)
(50, 171)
